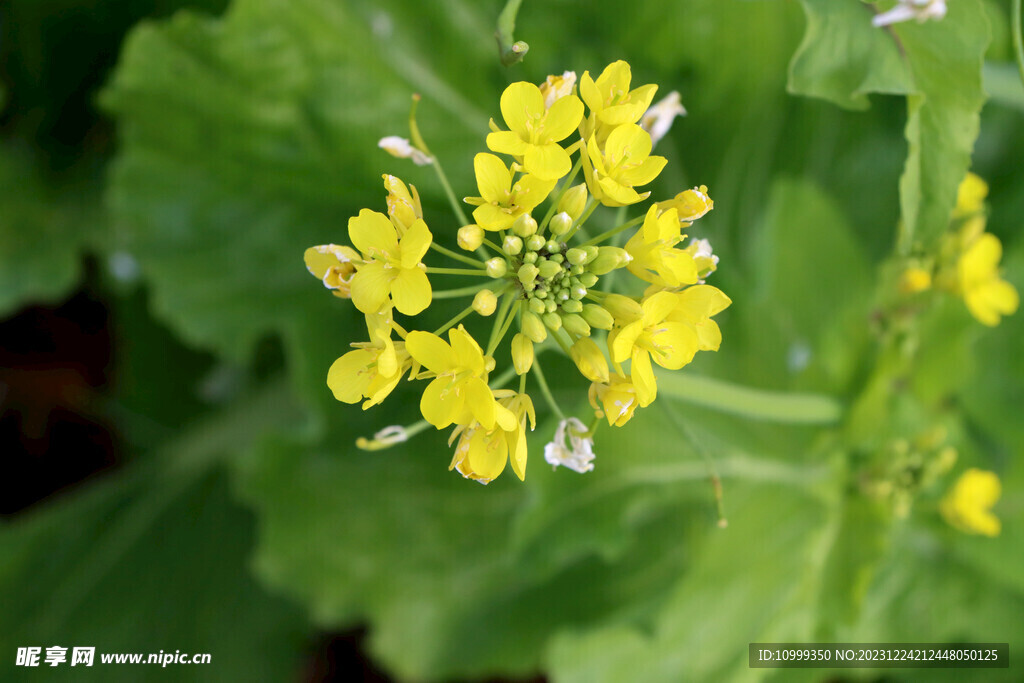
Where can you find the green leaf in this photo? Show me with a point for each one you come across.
(937, 64)
(248, 139)
(843, 58)
(154, 558)
(43, 231)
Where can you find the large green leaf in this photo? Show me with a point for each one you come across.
(43, 231)
(154, 558)
(937, 64)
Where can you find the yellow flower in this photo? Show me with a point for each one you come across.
(481, 454)
(403, 207)
(374, 369)
(392, 266)
(970, 196)
(536, 129)
(502, 201)
(968, 504)
(624, 162)
(618, 399)
(915, 279)
(671, 343)
(694, 307)
(655, 258)
(459, 391)
(988, 297)
(589, 359)
(610, 100)
(690, 204)
(334, 266)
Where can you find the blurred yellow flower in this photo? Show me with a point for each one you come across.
(970, 196)
(968, 504)
(988, 297)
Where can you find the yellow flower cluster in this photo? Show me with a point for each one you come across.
(968, 261)
(968, 505)
(540, 275)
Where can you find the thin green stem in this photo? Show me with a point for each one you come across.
(522, 383)
(455, 271)
(613, 276)
(503, 378)
(546, 391)
(592, 205)
(757, 404)
(558, 199)
(457, 256)
(554, 334)
(450, 323)
(614, 231)
(494, 246)
(1018, 41)
(460, 215)
(495, 340)
(510, 50)
(716, 480)
(499, 319)
(460, 291)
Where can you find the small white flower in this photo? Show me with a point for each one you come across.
(569, 449)
(557, 87)
(702, 249)
(391, 435)
(400, 148)
(905, 10)
(658, 119)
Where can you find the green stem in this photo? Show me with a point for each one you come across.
(509, 50)
(757, 404)
(716, 480)
(460, 291)
(455, 255)
(460, 316)
(558, 199)
(522, 383)
(460, 215)
(546, 391)
(614, 231)
(506, 304)
(620, 214)
(456, 271)
(1018, 42)
(496, 339)
(494, 246)
(554, 334)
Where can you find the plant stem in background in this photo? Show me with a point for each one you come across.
(1018, 41)
(510, 51)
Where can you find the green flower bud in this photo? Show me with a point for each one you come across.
(485, 302)
(525, 225)
(522, 353)
(551, 305)
(540, 293)
(588, 280)
(560, 223)
(553, 320)
(535, 242)
(563, 295)
(598, 317)
(592, 252)
(577, 292)
(557, 258)
(527, 275)
(578, 270)
(530, 257)
(553, 247)
(548, 269)
(497, 267)
(608, 259)
(572, 306)
(533, 328)
(576, 256)
(574, 201)
(470, 237)
(537, 305)
(575, 325)
(513, 245)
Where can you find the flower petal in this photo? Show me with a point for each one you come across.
(493, 177)
(521, 102)
(439, 404)
(479, 400)
(414, 243)
(411, 291)
(373, 233)
(643, 377)
(430, 351)
(548, 162)
(563, 118)
(371, 286)
(349, 376)
(507, 142)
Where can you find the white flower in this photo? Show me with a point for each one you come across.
(400, 148)
(658, 119)
(557, 87)
(905, 10)
(702, 249)
(569, 449)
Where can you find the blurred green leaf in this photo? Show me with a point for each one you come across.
(43, 231)
(153, 559)
(937, 64)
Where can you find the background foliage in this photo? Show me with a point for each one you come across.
(189, 179)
